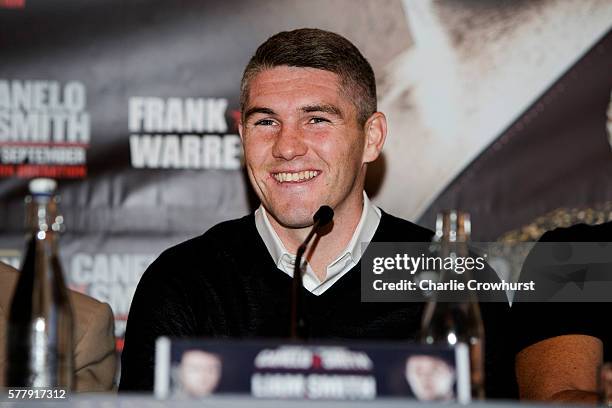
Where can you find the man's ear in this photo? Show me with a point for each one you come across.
(240, 130)
(375, 134)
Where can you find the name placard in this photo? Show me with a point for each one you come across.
(196, 368)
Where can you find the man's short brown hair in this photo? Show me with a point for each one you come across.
(320, 49)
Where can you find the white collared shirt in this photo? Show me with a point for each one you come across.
(346, 260)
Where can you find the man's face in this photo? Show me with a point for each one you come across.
(200, 372)
(430, 378)
(303, 144)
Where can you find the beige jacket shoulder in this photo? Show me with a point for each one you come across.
(95, 357)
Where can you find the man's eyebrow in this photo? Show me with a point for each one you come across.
(331, 109)
(257, 109)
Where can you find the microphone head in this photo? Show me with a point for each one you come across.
(324, 215)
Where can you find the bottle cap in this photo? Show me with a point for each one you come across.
(42, 186)
(453, 226)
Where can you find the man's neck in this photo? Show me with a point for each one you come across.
(328, 246)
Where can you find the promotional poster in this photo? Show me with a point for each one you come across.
(498, 108)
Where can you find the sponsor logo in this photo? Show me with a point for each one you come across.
(182, 133)
(44, 129)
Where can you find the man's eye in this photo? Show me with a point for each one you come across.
(318, 120)
(264, 122)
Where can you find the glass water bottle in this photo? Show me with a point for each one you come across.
(453, 318)
(40, 327)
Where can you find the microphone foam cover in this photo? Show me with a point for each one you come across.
(324, 215)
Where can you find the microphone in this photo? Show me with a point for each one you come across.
(323, 216)
(299, 326)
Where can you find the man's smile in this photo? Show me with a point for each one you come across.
(295, 176)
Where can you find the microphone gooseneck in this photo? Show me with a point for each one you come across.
(299, 325)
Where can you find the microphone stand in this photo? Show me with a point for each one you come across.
(299, 326)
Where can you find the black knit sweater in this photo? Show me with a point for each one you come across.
(224, 283)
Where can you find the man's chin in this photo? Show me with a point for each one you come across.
(295, 223)
(294, 219)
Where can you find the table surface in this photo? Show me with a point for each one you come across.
(148, 401)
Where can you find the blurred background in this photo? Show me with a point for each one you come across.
(495, 107)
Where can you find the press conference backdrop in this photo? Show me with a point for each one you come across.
(499, 108)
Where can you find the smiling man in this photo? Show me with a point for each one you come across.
(307, 143)
(309, 129)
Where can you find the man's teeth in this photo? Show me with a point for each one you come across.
(299, 176)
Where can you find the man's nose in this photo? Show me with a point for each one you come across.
(289, 144)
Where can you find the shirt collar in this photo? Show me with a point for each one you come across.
(275, 246)
(368, 223)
